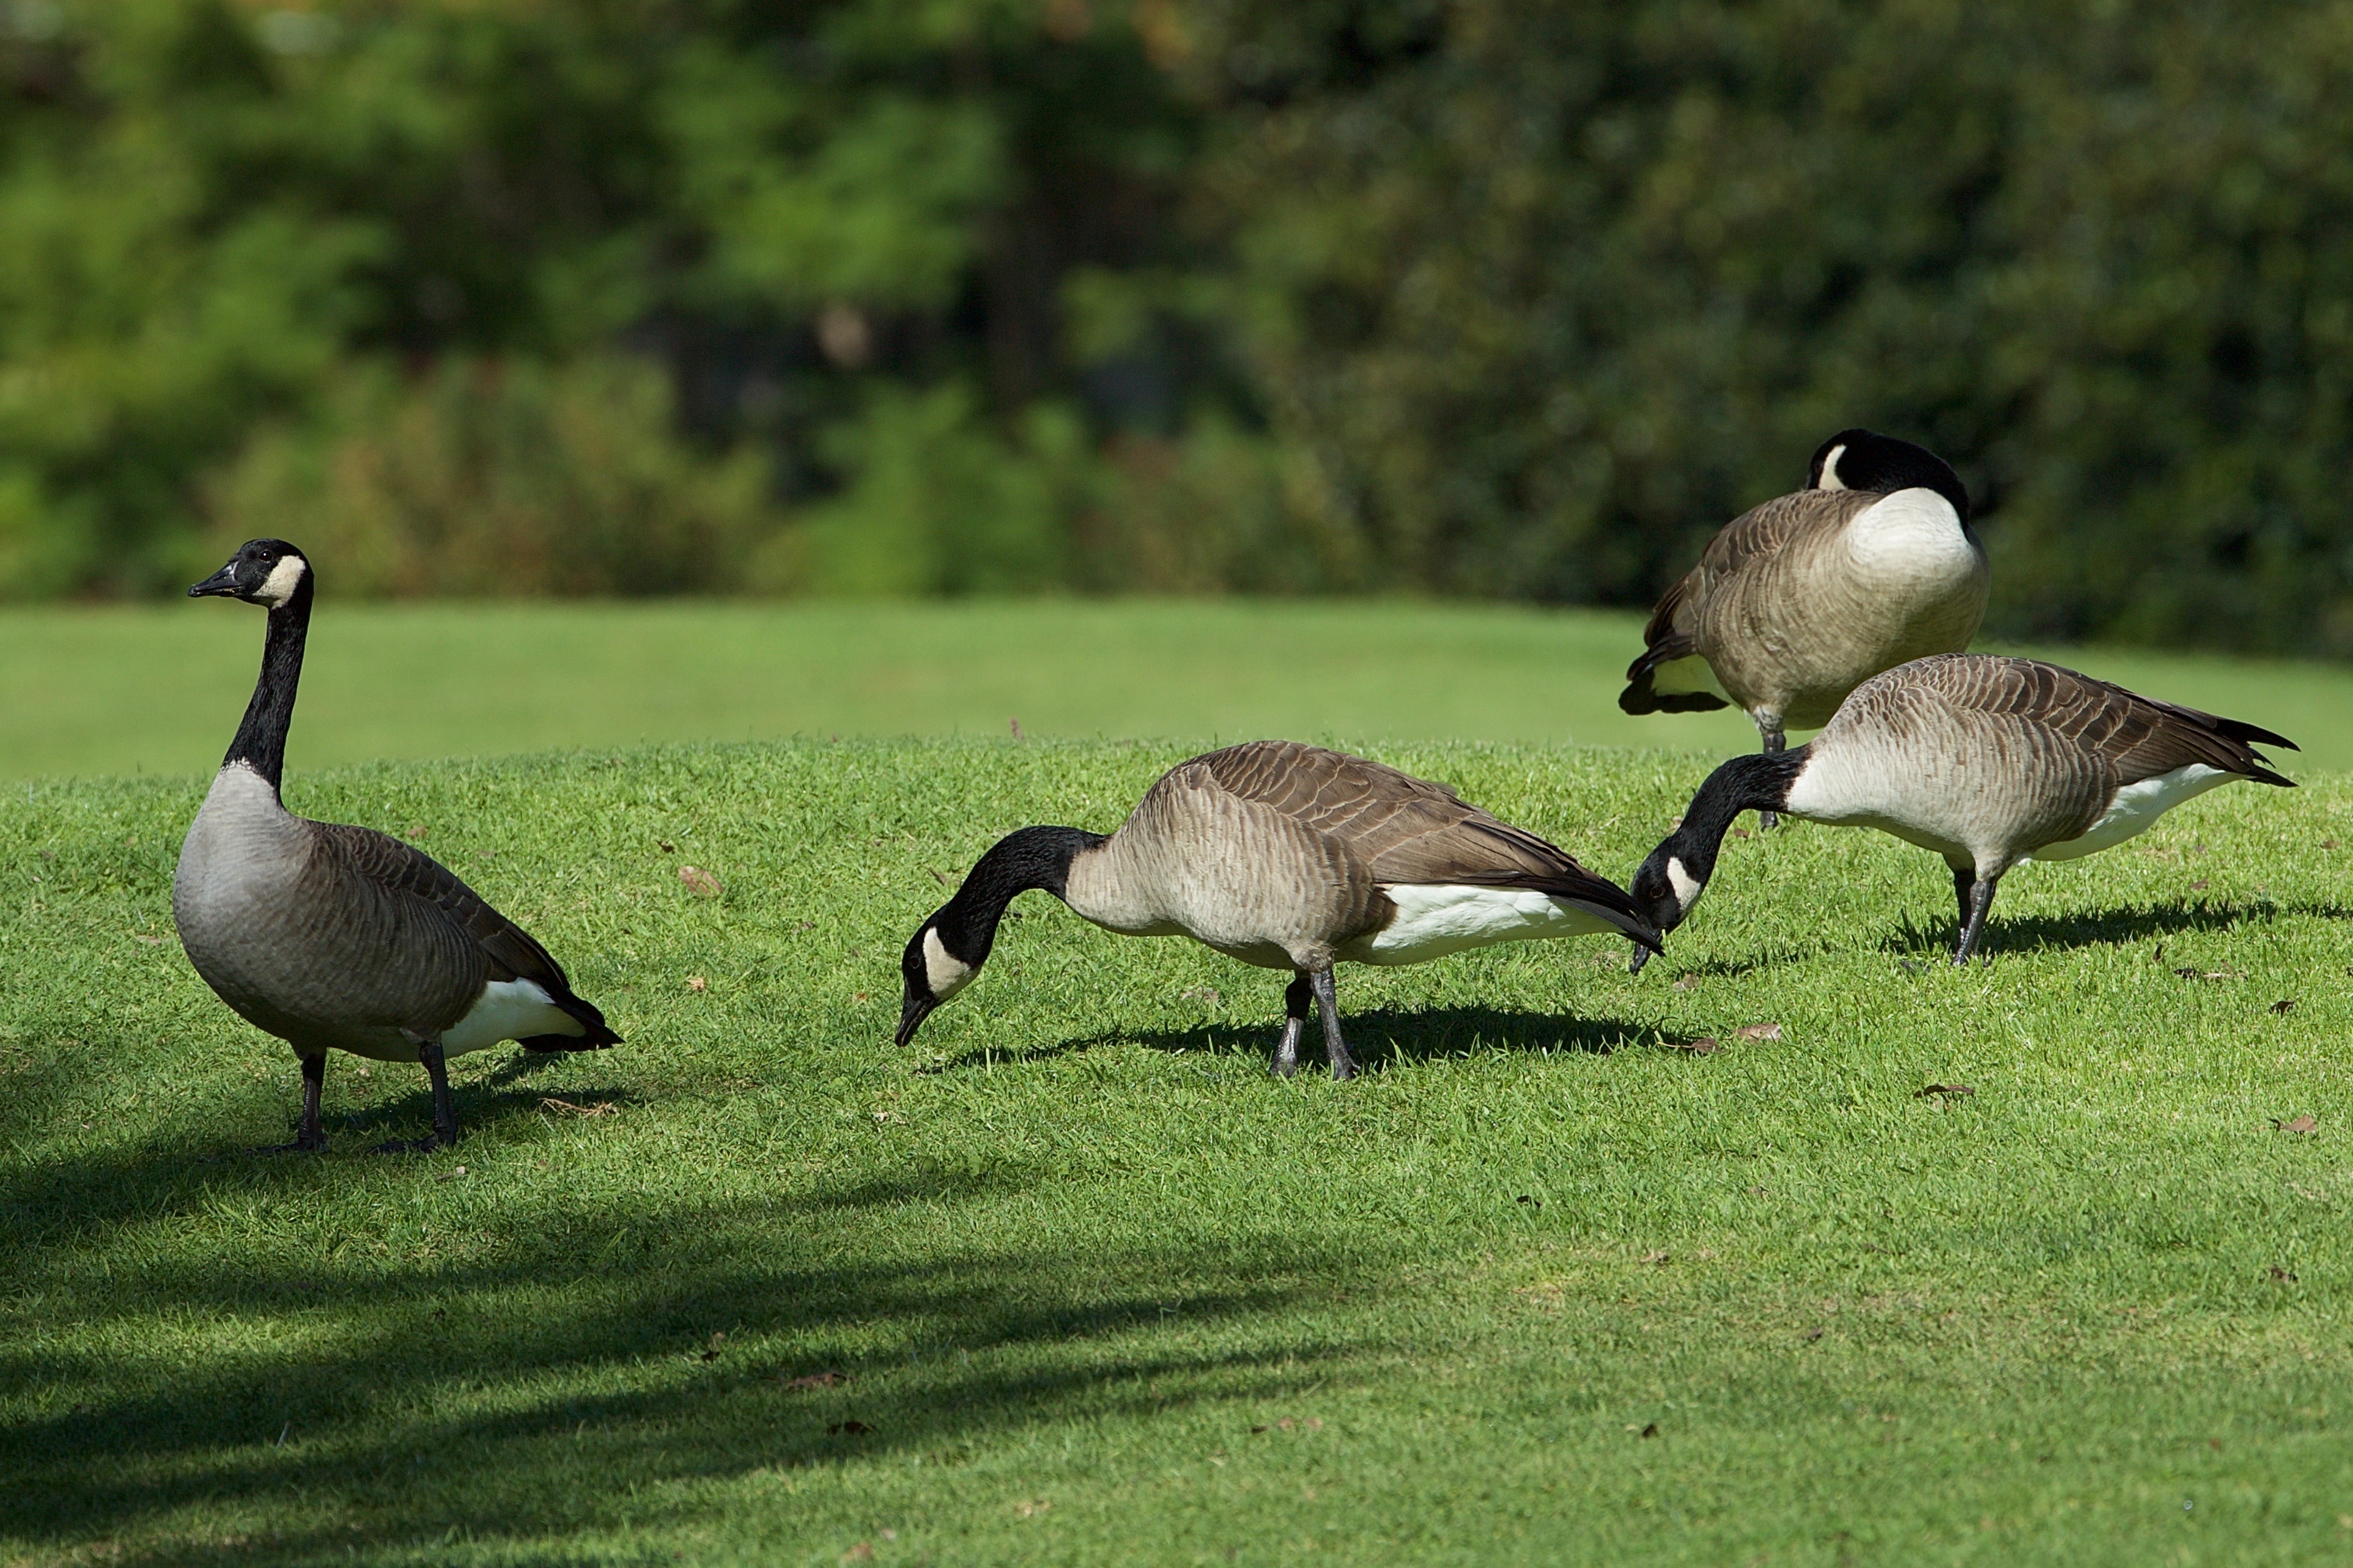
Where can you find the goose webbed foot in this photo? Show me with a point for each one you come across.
(310, 1138)
(1974, 902)
(1295, 998)
(1336, 1050)
(445, 1109)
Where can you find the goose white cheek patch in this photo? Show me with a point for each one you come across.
(1688, 887)
(283, 579)
(943, 971)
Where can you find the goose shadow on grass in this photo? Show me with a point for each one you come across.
(1378, 1036)
(1912, 937)
(470, 1393)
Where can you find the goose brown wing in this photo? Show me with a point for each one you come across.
(1409, 831)
(2138, 736)
(1762, 531)
(512, 953)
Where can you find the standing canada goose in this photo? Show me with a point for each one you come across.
(1986, 761)
(341, 938)
(1286, 857)
(1797, 602)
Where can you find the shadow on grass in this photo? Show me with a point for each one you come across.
(2108, 927)
(571, 1364)
(1376, 1036)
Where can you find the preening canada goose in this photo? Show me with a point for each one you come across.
(1988, 762)
(342, 938)
(1796, 602)
(1286, 857)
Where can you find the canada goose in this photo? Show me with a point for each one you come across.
(1986, 761)
(1797, 602)
(1285, 857)
(341, 938)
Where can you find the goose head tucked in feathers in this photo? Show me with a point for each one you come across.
(1860, 459)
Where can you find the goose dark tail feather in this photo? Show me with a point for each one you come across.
(1604, 899)
(599, 1035)
(1641, 694)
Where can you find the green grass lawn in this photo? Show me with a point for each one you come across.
(1541, 1287)
(158, 689)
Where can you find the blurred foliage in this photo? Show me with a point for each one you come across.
(1488, 298)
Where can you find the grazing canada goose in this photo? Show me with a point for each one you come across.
(1986, 761)
(1796, 602)
(1286, 857)
(341, 938)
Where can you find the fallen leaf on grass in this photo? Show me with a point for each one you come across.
(861, 1552)
(2283, 1006)
(1033, 1506)
(2279, 1273)
(698, 882)
(601, 1107)
(697, 982)
(2301, 1124)
(1205, 995)
(1758, 1032)
(2199, 886)
(416, 831)
(1811, 1335)
(1741, 833)
(1705, 1046)
(1948, 1088)
(1690, 982)
(846, 1428)
(1656, 1256)
(831, 1377)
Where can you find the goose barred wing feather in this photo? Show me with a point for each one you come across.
(510, 951)
(1729, 565)
(1409, 832)
(2140, 737)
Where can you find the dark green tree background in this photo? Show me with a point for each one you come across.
(885, 296)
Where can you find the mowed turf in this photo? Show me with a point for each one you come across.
(1071, 1281)
(157, 689)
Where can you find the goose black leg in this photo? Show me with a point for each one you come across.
(1964, 879)
(308, 1138)
(1295, 998)
(1980, 899)
(445, 1109)
(1336, 1050)
(1775, 741)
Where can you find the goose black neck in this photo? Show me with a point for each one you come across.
(1036, 857)
(260, 740)
(1757, 782)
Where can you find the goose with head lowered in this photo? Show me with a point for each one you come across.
(336, 938)
(1988, 762)
(1287, 857)
(1798, 600)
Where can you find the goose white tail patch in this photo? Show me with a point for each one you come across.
(2135, 808)
(508, 1010)
(1678, 677)
(1432, 922)
(943, 972)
